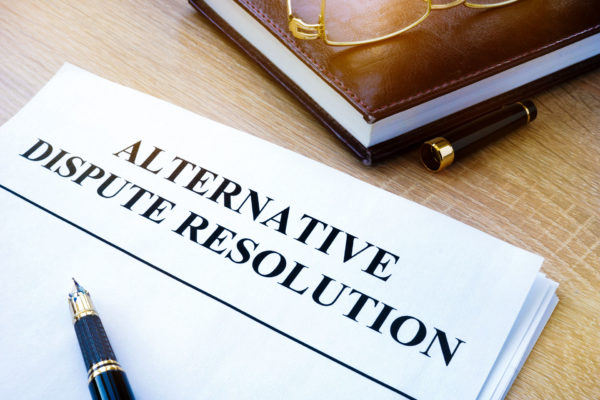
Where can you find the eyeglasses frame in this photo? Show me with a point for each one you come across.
(302, 30)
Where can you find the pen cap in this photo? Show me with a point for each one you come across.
(440, 152)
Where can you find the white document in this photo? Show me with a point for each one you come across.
(224, 267)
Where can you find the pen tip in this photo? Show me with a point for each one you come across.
(77, 288)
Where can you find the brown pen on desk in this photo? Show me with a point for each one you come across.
(440, 152)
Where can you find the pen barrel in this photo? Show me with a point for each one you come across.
(110, 385)
(490, 127)
(440, 152)
(106, 378)
(93, 341)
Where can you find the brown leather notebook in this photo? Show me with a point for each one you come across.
(456, 65)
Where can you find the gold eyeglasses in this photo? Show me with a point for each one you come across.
(356, 23)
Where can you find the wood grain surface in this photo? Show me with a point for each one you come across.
(538, 188)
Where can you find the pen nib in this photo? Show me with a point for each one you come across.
(77, 288)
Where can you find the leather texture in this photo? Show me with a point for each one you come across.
(452, 48)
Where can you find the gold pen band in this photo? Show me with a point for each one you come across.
(437, 154)
(526, 110)
(103, 366)
(82, 314)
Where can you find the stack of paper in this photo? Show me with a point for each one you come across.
(225, 267)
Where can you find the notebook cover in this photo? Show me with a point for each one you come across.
(481, 44)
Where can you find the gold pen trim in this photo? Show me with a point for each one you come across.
(526, 110)
(82, 314)
(437, 154)
(102, 367)
(101, 364)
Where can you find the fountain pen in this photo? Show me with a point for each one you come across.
(106, 377)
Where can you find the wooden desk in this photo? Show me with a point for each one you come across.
(539, 188)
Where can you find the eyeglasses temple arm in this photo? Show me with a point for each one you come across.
(301, 29)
